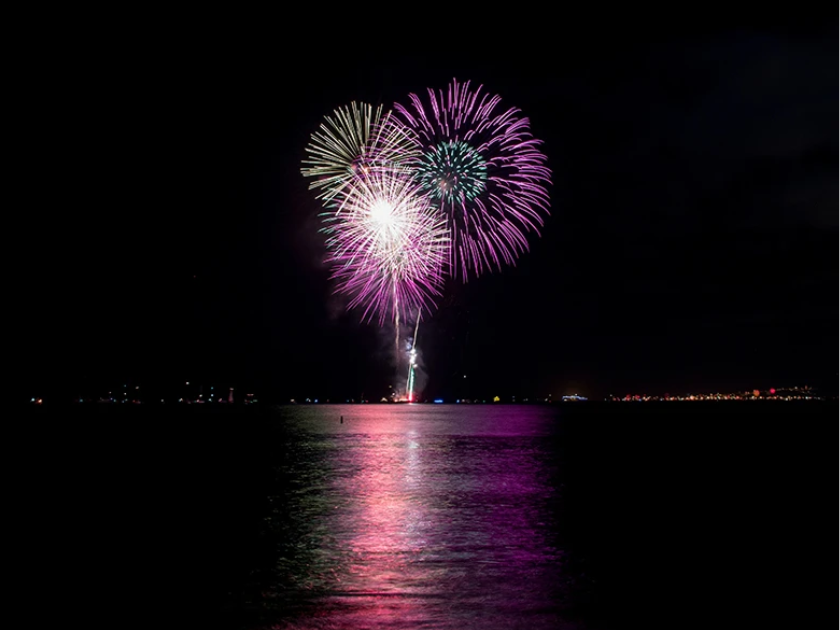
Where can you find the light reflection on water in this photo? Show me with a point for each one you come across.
(605, 517)
(414, 516)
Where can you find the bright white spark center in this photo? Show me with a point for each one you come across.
(382, 211)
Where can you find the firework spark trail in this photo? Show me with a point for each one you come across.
(482, 169)
(409, 393)
(387, 247)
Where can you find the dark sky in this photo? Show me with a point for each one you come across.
(692, 242)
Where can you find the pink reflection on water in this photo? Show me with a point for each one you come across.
(385, 561)
(427, 517)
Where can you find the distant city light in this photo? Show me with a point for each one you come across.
(773, 394)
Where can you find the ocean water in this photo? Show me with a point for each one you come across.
(568, 516)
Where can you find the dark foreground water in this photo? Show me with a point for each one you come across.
(596, 516)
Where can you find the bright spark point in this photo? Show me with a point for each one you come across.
(381, 211)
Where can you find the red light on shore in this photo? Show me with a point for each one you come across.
(772, 391)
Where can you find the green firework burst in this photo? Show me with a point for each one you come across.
(452, 172)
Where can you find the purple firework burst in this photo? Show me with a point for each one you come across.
(387, 247)
(479, 164)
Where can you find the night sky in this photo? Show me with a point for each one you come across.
(692, 243)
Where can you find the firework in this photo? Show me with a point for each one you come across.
(412, 363)
(480, 166)
(387, 247)
(355, 140)
(453, 185)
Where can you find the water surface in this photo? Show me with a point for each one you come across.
(599, 517)
(416, 516)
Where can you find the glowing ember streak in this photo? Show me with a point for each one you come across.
(412, 363)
